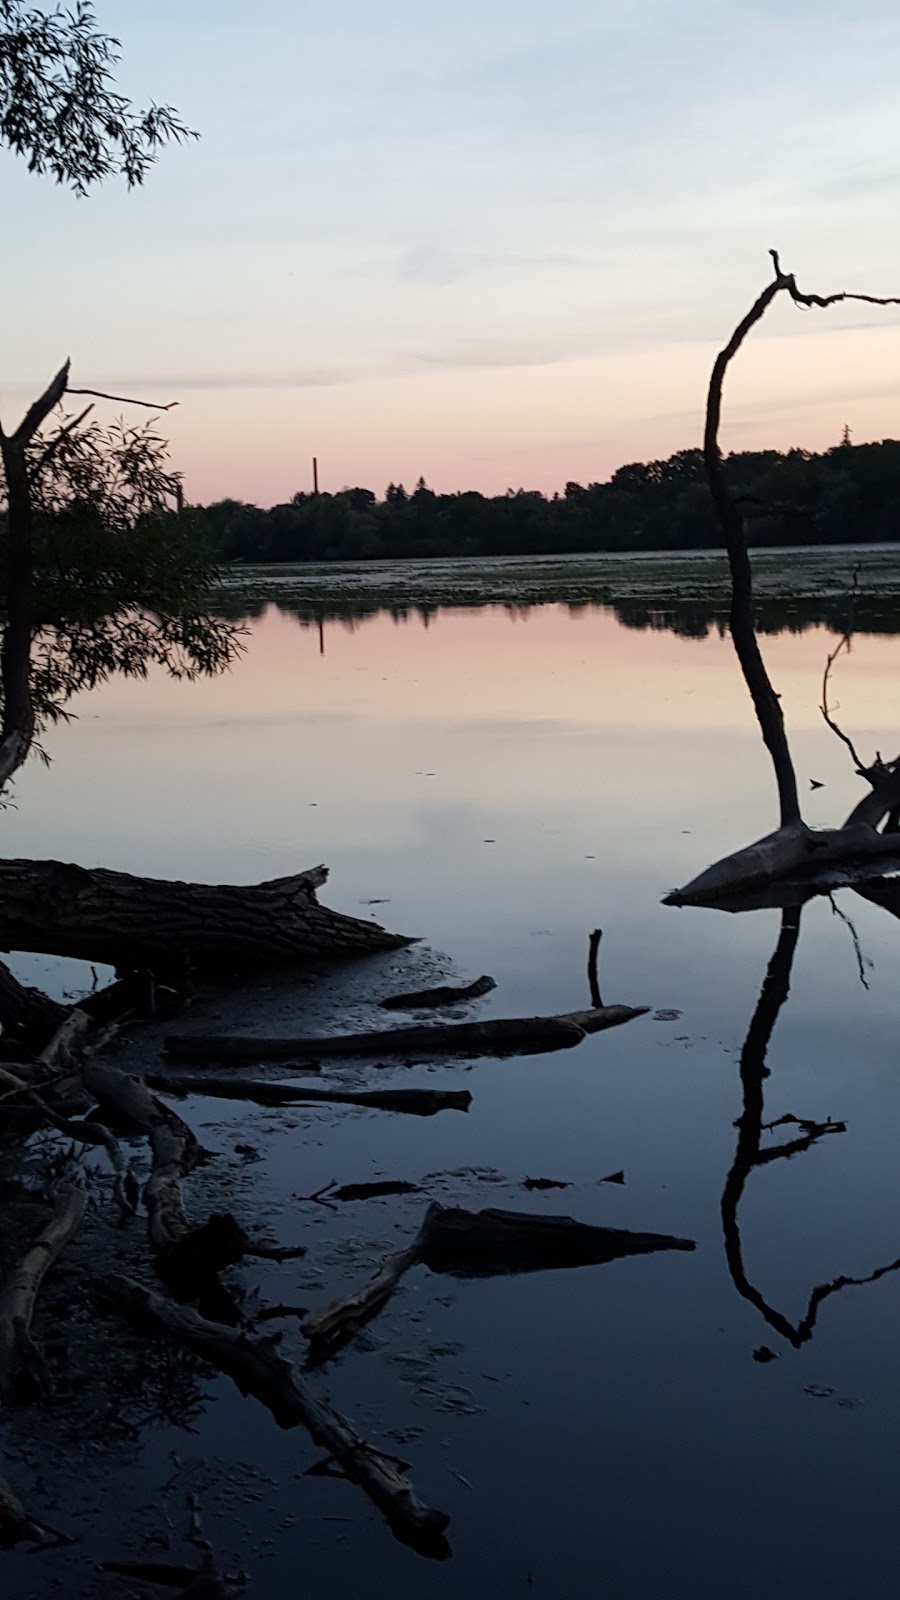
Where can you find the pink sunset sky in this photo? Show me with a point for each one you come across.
(496, 244)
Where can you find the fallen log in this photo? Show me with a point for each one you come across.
(446, 994)
(794, 857)
(256, 1368)
(166, 927)
(18, 1352)
(497, 1036)
(479, 1244)
(416, 1102)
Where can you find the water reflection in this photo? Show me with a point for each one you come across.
(687, 619)
(751, 1153)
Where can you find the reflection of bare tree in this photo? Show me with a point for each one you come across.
(750, 1152)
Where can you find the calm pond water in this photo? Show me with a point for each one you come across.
(505, 782)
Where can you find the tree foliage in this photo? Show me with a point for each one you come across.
(59, 107)
(122, 581)
(845, 495)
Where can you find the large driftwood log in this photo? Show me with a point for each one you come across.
(417, 1102)
(479, 1244)
(22, 1285)
(257, 1369)
(796, 856)
(131, 922)
(498, 1036)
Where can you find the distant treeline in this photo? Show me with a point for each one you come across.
(849, 494)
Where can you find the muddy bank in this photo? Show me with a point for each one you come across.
(135, 1427)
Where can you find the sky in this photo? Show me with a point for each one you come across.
(496, 244)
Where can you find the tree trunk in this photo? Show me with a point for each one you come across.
(170, 928)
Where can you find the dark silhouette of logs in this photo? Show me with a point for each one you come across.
(498, 1036)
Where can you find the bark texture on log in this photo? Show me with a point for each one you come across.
(257, 1369)
(498, 1036)
(98, 915)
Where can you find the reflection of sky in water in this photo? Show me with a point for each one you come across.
(631, 1446)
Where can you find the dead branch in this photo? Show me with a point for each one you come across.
(854, 939)
(479, 1244)
(416, 1102)
(828, 712)
(498, 1036)
(593, 981)
(256, 1368)
(22, 1286)
(445, 995)
(127, 400)
(766, 702)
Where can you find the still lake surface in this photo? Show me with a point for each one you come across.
(505, 781)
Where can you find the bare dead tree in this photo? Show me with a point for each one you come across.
(794, 850)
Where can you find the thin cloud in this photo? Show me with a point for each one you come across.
(316, 378)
